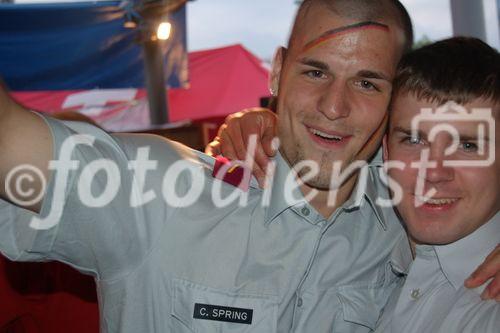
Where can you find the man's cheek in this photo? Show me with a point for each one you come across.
(404, 177)
(372, 142)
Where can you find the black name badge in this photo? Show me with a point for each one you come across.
(223, 313)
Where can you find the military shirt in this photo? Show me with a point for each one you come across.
(183, 265)
(433, 298)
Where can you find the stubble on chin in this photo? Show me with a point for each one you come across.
(322, 180)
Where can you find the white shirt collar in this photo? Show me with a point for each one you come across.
(401, 257)
(459, 259)
(279, 204)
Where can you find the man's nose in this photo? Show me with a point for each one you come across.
(333, 102)
(439, 172)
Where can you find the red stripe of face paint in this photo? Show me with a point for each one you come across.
(323, 38)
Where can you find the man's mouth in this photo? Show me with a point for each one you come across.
(326, 136)
(328, 139)
(436, 203)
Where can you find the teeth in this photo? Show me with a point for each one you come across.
(325, 136)
(440, 201)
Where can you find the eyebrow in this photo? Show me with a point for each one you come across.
(407, 131)
(337, 31)
(315, 63)
(423, 135)
(367, 74)
(373, 75)
(473, 138)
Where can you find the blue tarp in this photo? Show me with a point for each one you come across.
(80, 46)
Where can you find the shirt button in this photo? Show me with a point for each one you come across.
(415, 294)
(299, 302)
(305, 211)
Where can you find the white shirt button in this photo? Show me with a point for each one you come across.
(415, 294)
(305, 211)
(299, 302)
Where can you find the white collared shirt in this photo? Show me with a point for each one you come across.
(168, 268)
(433, 298)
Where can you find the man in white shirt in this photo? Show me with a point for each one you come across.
(445, 182)
(446, 187)
(168, 264)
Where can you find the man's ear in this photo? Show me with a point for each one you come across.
(384, 148)
(277, 65)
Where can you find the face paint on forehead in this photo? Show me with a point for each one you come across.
(342, 30)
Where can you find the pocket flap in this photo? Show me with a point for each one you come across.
(363, 306)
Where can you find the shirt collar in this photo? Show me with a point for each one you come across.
(459, 259)
(279, 204)
(369, 177)
(372, 193)
(401, 257)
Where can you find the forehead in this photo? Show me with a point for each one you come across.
(320, 23)
(344, 30)
(405, 108)
(347, 46)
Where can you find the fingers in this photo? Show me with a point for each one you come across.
(269, 133)
(251, 131)
(495, 289)
(262, 122)
(213, 148)
(232, 146)
(226, 145)
(232, 135)
(268, 145)
(490, 268)
(492, 291)
(261, 162)
(234, 138)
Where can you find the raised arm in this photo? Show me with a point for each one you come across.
(25, 142)
(90, 204)
(233, 138)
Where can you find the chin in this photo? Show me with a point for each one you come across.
(433, 233)
(319, 184)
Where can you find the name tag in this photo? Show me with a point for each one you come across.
(223, 313)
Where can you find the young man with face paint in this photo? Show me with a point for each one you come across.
(333, 85)
(192, 265)
(454, 223)
(298, 265)
(331, 110)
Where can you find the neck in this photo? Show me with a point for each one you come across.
(413, 245)
(322, 201)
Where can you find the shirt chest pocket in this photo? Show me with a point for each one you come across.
(361, 308)
(202, 309)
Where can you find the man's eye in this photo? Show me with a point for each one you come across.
(315, 74)
(367, 85)
(469, 146)
(413, 140)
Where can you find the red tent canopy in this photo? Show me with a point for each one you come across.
(222, 81)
